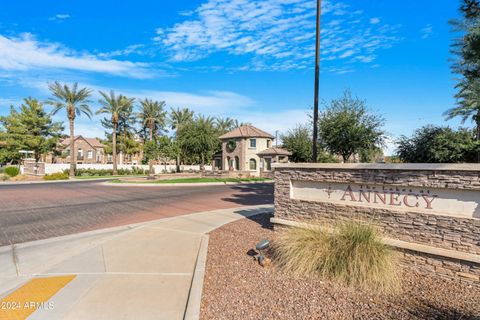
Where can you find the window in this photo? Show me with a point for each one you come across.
(253, 164)
(253, 143)
(268, 164)
(90, 154)
(269, 143)
(80, 153)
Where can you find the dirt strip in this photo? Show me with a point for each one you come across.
(236, 287)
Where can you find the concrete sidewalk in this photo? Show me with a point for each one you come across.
(141, 271)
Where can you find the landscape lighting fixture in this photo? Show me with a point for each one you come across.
(261, 246)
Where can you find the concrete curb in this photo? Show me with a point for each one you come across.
(53, 181)
(194, 302)
(200, 184)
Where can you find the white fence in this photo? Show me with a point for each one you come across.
(59, 167)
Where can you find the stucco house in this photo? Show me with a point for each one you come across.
(90, 151)
(249, 149)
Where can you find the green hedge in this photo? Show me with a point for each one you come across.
(12, 171)
(56, 176)
(107, 172)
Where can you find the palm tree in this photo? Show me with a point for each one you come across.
(115, 106)
(152, 117)
(178, 119)
(237, 124)
(468, 106)
(75, 102)
(225, 125)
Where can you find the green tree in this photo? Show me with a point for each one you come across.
(299, 142)
(31, 128)
(153, 119)
(116, 107)
(75, 102)
(346, 127)
(466, 48)
(225, 125)
(177, 119)
(127, 141)
(433, 144)
(199, 139)
(167, 149)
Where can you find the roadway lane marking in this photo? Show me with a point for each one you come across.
(33, 295)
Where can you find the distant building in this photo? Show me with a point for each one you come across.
(89, 151)
(249, 149)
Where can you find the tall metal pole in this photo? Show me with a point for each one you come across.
(317, 80)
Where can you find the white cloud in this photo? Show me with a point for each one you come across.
(212, 102)
(26, 53)
(59, 17)
(275, 34)
(426, 32)
(5, 103)
(134, 48)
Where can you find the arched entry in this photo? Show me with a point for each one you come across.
(237, 163)
(227, 164)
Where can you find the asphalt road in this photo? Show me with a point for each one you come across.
(40, 211)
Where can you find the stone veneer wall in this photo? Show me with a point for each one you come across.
(454, 233)
(449, 268)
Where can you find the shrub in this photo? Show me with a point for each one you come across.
(352, 253)
(12, 171)
(4, 177)
(107, 172)
(56, 176)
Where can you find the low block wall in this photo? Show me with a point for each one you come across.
(434, 205)
(60, 167)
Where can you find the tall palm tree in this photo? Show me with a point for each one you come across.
(179, 118)
(75, 102)
(225, 125)
(468, 106)
(114, 106)
(152, 117)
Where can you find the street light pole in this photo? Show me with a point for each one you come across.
(317, 80)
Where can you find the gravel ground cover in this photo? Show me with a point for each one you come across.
(236, 287)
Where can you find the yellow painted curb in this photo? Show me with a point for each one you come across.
(31, 296)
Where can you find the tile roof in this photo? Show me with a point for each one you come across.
(275, 151)
(246, 131)
(92, 141)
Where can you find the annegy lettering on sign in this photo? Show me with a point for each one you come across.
(389, 196)
(462, 203)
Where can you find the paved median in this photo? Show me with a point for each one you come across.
(142, 271)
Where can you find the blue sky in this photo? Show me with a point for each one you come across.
(248, 59)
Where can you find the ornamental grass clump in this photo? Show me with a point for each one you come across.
(352, 253)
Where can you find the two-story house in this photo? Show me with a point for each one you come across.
(88, 151)
(249, 149)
